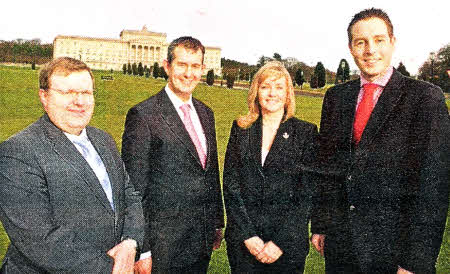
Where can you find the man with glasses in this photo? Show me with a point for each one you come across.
(65, 198)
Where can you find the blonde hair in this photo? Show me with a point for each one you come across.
(270, 69)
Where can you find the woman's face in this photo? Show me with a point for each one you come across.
(272, 94)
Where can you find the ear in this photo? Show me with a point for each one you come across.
(393, 41)
(166, 66)
(43, 98)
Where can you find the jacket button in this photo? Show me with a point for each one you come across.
(352, 207)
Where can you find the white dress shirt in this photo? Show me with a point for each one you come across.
(177, 103)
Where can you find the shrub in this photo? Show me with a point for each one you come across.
(210, 77)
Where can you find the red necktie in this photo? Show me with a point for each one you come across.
(363, 112)
(192, 133)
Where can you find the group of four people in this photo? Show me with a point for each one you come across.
(374, 183)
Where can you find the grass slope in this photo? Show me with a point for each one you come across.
(20, 106)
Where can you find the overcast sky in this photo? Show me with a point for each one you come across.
(310, 31)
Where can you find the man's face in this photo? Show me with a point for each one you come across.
(185, 71)
(69, 102)
(371, 47)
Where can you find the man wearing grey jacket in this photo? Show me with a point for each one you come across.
(65, 198)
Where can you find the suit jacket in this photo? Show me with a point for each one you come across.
(392, 194)
(273, 201)
(53, 207)
(182, 201)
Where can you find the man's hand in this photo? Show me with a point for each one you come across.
(318, 240)
(123, 255)
(143, 266)
(218, 239)
(270, 253)
(254, 245)
(403, 271)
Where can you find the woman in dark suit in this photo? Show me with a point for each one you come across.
(268, 197)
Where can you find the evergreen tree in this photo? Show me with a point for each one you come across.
(299, 77)
(124, 68)
(146, 71)
(339, 75)
(319, 72)
(129, 69)
(230, 81)
(140, 69)
(210, 77)
(402, 69)
(134, 69)
(277, 56)
(155, 70)
(313, 82)
(343, 72)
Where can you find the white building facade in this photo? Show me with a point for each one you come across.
(134, 46)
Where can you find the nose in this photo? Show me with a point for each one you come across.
(272, 91)
(370, 47)
(78, 98)
(188, 72)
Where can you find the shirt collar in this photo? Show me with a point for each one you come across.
(177, 102)
(73, 138)
(382, 81)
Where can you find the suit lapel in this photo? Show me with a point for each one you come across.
(350, 99)
(279, 142)
(68, 152)
(255, 142)
(389, 98)
(208, 129)
(170, 116)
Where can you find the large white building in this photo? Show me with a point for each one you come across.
(134, 46)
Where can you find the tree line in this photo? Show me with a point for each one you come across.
(139, 70)
(300, 73)
(437, 68)
(25, 51)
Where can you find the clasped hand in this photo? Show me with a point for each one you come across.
(123, 255)
(266, 253)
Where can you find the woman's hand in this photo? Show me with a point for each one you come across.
(254, 245)
(270, 253)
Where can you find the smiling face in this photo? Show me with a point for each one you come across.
(272, 94)
(371, 47)
(185, 71)
(69, 101)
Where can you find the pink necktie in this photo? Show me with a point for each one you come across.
(191, 130)
(363, 112)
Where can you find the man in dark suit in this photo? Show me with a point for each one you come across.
(65, 198)
(170, 151)
(387, 134)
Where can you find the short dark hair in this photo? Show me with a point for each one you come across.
(186, 42)
(65, 65)
(367, 14)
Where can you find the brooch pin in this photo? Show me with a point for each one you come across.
(285, 135)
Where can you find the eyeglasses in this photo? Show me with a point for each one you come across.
(73, 93)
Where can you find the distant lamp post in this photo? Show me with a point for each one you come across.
(432, 57)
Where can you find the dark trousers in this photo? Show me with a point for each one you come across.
(340, 258)
(199, 267)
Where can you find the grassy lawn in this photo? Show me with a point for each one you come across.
(20, 106)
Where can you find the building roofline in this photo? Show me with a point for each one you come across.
(144, 32)
(88, 38)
